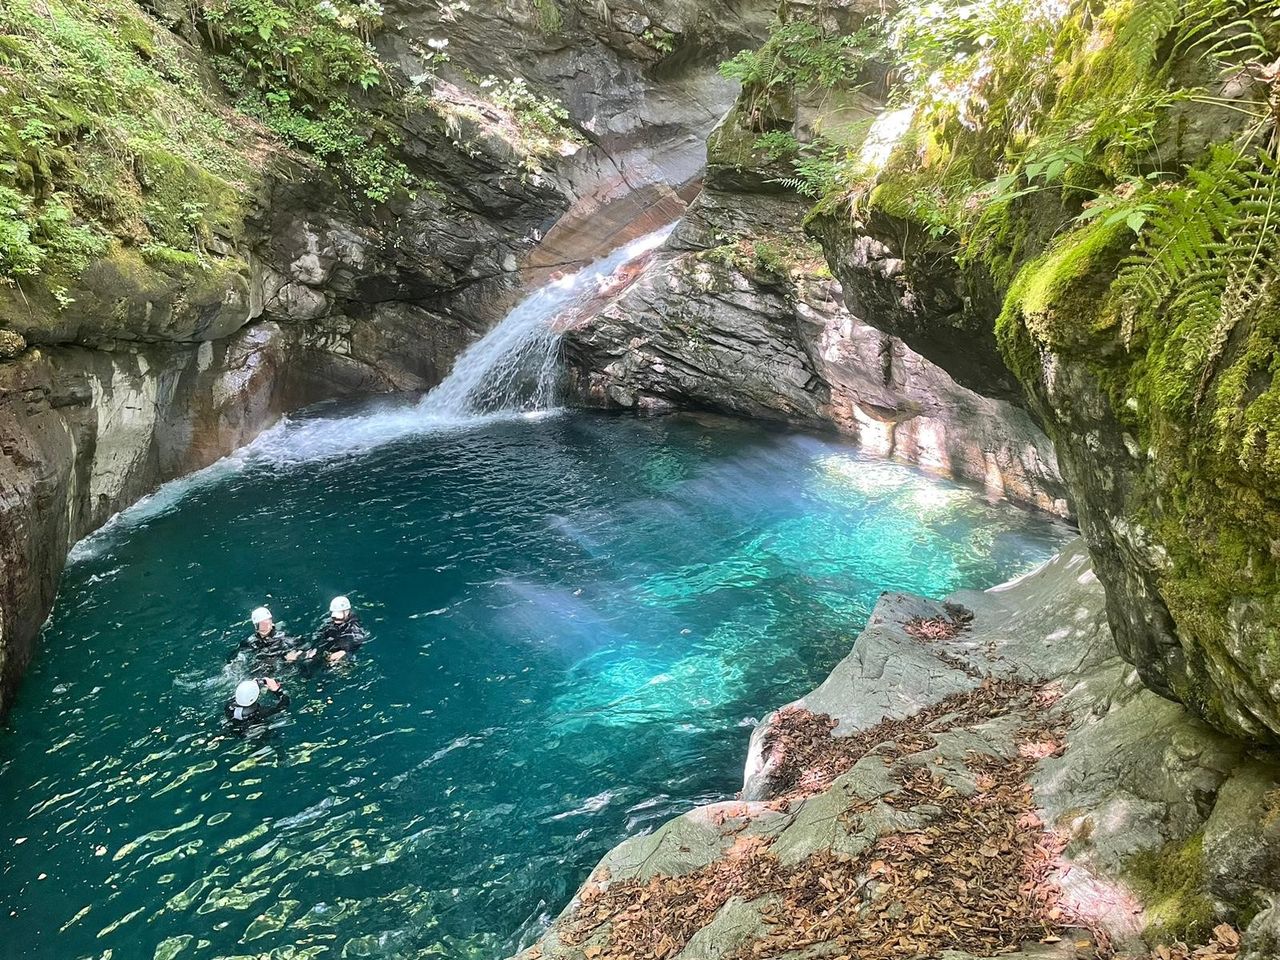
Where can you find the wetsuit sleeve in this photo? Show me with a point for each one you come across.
(351, 639)
(323, 642)
(244, 644)
(282, 701)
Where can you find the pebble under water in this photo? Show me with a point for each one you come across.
(576, 620)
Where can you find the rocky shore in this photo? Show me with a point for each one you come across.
(981, 776)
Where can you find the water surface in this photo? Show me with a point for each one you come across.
(576, 621)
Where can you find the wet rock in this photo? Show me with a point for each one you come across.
(739, 315)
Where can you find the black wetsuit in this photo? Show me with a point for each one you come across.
(345, 635)
(266, 649)
(242, 717)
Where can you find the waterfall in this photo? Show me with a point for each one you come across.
(510, 371)
(513, 368)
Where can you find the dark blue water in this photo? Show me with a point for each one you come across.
(576, 620)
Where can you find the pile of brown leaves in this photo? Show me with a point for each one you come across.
(943, 628)
(1224, 945)
(976, 878)
(807, 759)
(933, 629)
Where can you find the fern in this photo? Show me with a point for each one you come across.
(1208, 259)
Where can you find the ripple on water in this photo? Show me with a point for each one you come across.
(574, 618)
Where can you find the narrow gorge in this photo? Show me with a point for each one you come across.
(878, 395)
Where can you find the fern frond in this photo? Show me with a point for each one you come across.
(1209, 257)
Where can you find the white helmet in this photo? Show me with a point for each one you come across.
(247, 693)
(339, 605)
(260, 614)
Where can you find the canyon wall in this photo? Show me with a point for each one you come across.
(741, 314)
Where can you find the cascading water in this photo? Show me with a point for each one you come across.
(510, 371)
(513, 367)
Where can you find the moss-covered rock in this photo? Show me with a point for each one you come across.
(1171, 885)
(1116, 271)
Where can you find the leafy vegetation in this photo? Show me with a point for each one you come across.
(107, 134)
(775, 256)
(799, 54)
(292, 64)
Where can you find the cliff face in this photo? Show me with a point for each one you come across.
(242, 274)
(1120, 281)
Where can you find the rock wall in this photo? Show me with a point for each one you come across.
(1133, 818)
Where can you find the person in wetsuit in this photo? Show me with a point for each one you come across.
(267, 642)
(246, 707)
(340, 637)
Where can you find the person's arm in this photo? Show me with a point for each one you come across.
(303, 652)
(347, 642)
(235, 651)
(282, 698)
(351, 639)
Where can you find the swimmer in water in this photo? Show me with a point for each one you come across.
(246, 707)
(340, 637)
(267, 642)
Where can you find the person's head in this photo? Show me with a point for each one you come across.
(247, 693)
(262, 620)
(339, 608)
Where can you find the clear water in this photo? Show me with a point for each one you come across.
(576, 621)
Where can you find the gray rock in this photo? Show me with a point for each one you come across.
(705, 330)
(1261, 940)
(1242, 836)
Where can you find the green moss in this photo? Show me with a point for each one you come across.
(107, 133)
(1061, 297)
(777, 258)
(550, 19)
(159, 255)
(185, 204)
(1170, 883)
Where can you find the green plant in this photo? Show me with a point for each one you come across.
(550, 19)
(105, 130)
(337, 133)
(316, 48)
(799, 54)
(1210, 255)
(661, 40)
(541, 123)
